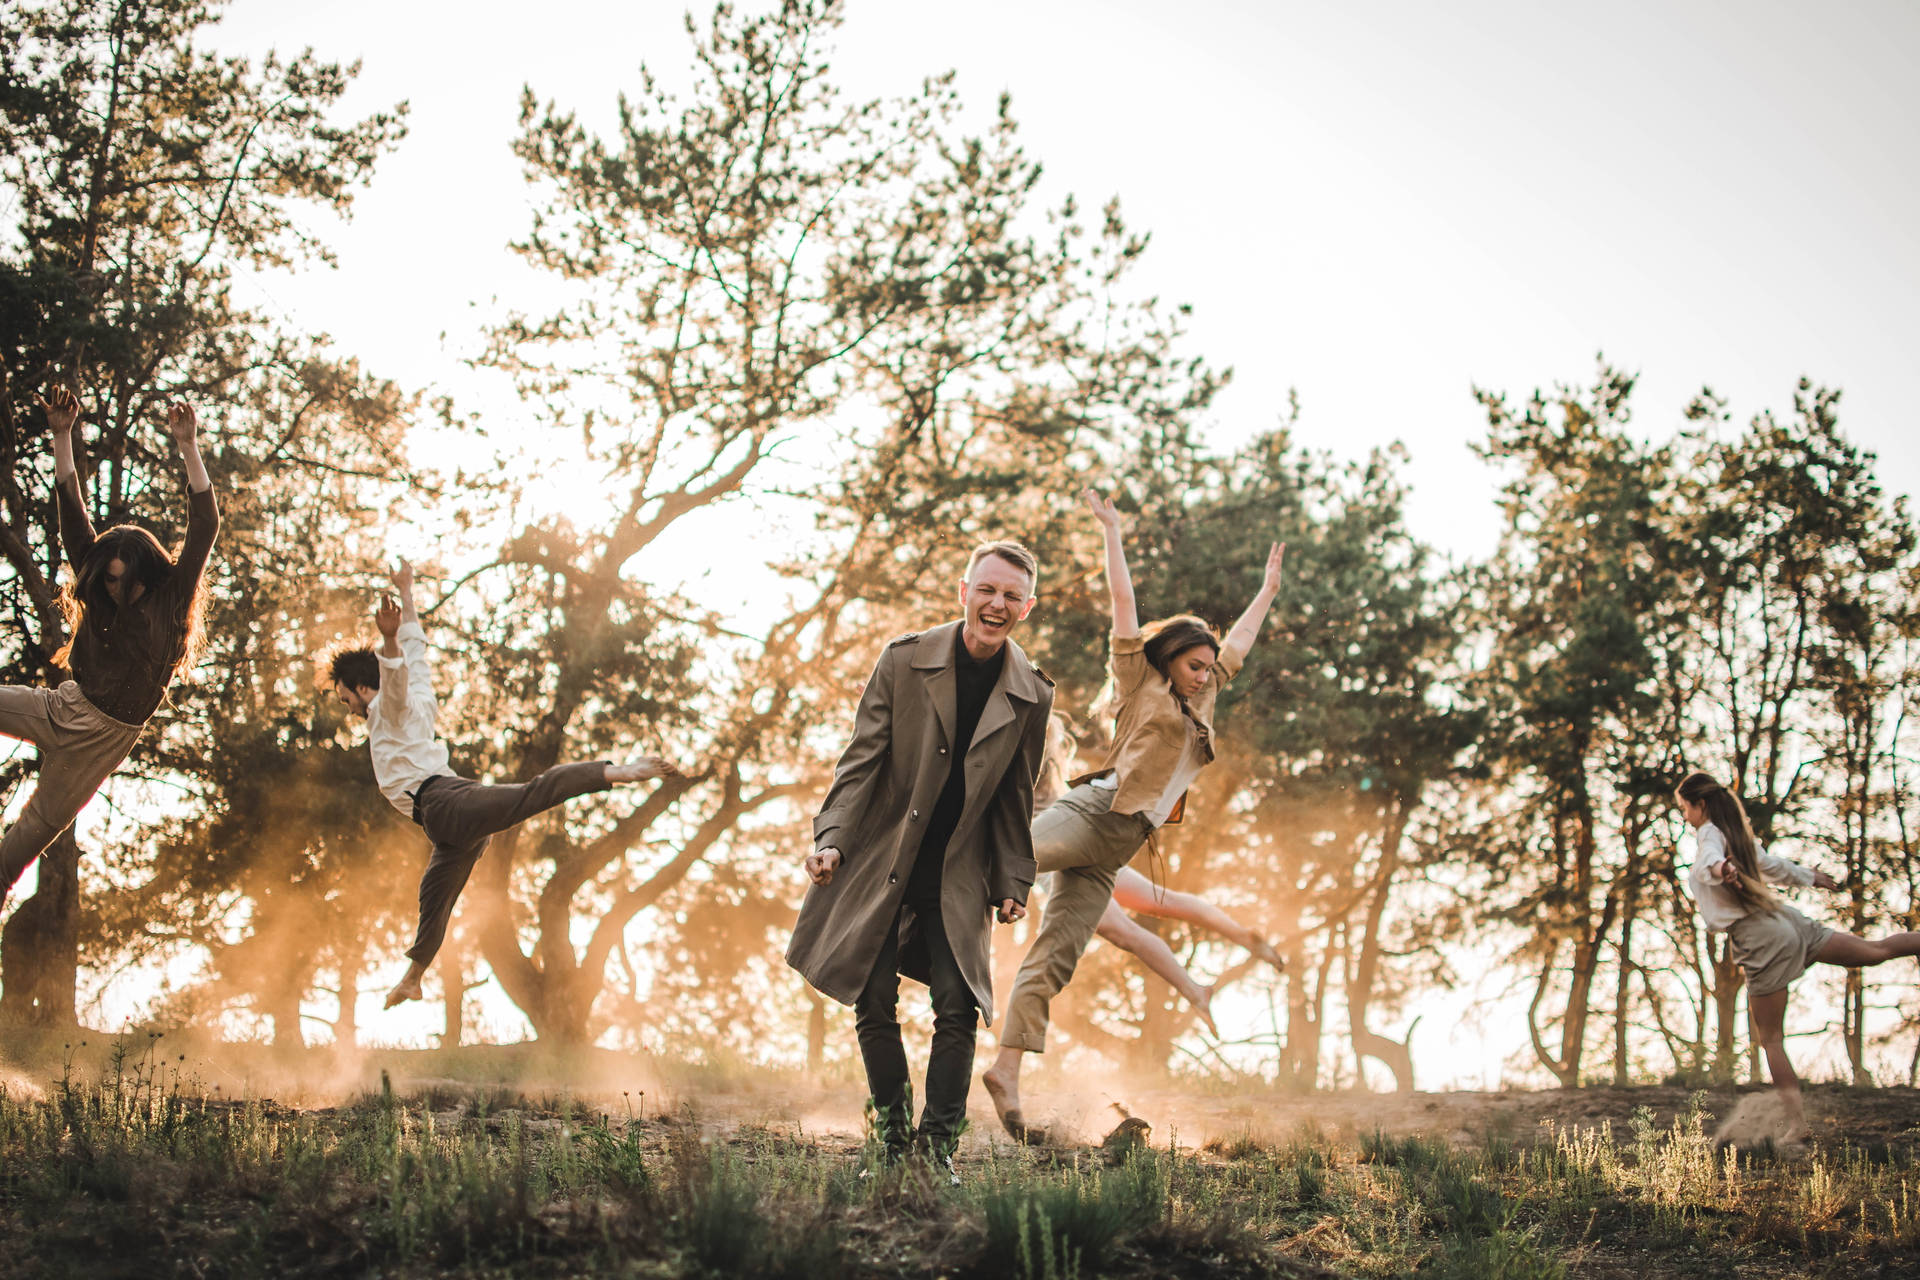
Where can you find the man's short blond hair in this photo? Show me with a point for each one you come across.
(1013, 553)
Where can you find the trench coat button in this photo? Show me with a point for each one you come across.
(892, 878)
(943, 751)
(915, 817)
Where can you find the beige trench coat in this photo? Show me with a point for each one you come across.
(883, 793)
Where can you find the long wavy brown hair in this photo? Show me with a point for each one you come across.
(85, 601)
(1167, 638)
(1724, 810)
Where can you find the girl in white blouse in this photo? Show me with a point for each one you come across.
(1772, 942)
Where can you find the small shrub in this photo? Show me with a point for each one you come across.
(1413, 1152)
(1309, 1180)
(1059, 1228)
(719, 1220)
(1502, 1255)
(1242, 1146)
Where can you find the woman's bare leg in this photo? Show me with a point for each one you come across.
(1120, 929)
(1859, 953)
(1134, 892)
(1769, 1014)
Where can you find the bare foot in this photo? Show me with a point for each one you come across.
(642, 769)
(408, 988)
(1004, 1089)
(1005, 1094)
(1202, 1002)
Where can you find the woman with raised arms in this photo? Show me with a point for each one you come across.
(133, 623)
(1166, 676)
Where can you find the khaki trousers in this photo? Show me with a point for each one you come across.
(80, 745)
(1085, 844)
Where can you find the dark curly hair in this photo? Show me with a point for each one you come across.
(352, 668)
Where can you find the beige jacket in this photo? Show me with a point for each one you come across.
(883, 793)
(1150, 730)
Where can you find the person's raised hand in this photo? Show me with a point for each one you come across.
(402, 579)
(1821, 880)
(821, 864)
(1008, 911)
(1276, 556)
(62, 411)
(1103, 509)
(387, 616)
(183, 424)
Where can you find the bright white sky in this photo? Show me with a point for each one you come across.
(1380, 204)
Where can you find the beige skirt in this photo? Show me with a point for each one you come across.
(1775, 947)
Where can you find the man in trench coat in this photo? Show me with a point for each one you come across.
(926, 830)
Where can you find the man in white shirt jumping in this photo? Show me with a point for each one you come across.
(393, 690)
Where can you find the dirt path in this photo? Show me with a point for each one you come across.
(1078, 1106)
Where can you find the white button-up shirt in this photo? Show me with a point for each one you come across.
(400, 722)
(1719, 908)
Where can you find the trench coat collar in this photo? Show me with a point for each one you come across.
(933, 654)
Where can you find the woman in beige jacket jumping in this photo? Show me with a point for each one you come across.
(1166, 676)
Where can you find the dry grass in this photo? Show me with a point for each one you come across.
(138, 1171)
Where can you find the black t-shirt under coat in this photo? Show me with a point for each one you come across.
(972, 685)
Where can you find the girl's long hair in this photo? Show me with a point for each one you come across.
(85, 601)
(1056, 763)
(1724, 810)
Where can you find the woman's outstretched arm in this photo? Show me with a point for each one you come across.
(1126, 617)
(1240, 640)
(183, 424)
(203, 512)
(76, 531)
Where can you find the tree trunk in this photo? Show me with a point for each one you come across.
(346, 1031)
(1573, 1027)
(40, 945)
(1395, 1055)
(1300, 1061)
(1853, 1022)
(1587, 937)
(453, 980)
(281, 1003)
(562, 1016)
(1623, 993)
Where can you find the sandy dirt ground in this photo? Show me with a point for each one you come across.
(1078, 1107)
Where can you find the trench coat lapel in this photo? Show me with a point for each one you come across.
(933, 658)
(998, 713)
